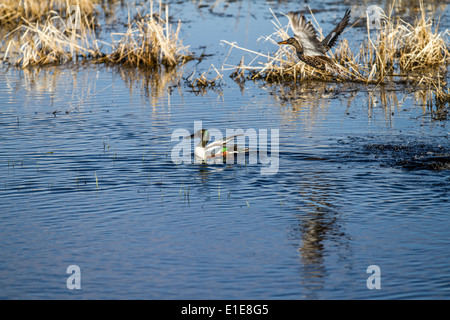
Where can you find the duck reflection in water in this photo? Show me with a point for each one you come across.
(319, 228)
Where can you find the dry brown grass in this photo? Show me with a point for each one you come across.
(149, 42)
(50, 42)
(401, 49)
(13, 12)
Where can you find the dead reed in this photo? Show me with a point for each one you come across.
(13, 12)
(52, 42)
(150, 41)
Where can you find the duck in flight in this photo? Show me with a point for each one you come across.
(309, 49)
(218, 148)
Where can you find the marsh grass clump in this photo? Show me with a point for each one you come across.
(14, 12)
(402, 49)
(420, 46)
(62, 36)
(52, 42)
(149, 42)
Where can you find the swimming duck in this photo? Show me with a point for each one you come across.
(309, 49)
(215, 149)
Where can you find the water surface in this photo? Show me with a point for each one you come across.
(86, 178)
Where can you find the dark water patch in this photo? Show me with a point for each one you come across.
(293, 156)
(411, 155)
(397, 151)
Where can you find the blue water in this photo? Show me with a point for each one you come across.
(86, 178)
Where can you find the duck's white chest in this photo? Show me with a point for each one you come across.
(200, 152)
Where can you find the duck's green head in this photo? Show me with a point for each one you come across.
(202, 134)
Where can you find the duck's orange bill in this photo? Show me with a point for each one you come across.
(283, 42)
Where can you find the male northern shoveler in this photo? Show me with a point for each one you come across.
(218, 148)
(309, 49)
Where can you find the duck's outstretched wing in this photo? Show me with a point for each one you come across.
(330, 39)
(221, 142)
(305, 34)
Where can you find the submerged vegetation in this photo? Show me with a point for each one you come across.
(200, 84)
